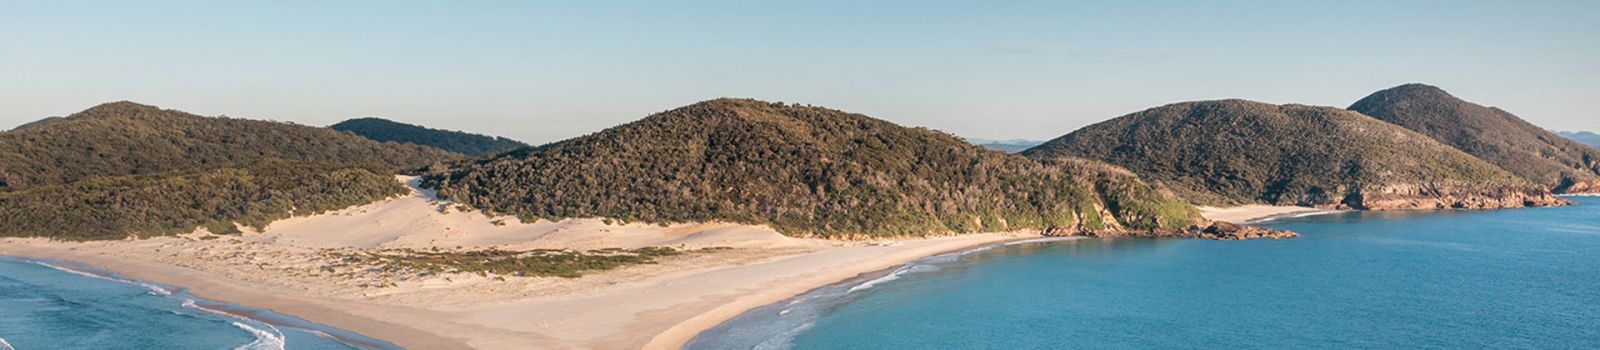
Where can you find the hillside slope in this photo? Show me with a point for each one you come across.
(126, 138)
(806, 171)
(1495, 135)
(1236, 152)
(123, 169)
(384, 130)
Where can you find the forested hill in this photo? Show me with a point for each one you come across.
(125, 138)
(39, 122)
(124, 169)
(1237, 152)
(1563, 165)
(806, 171)
(454, 141)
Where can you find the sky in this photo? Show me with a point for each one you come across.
(545, 71)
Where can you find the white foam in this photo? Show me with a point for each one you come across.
(265, 340)
(154, 289)
(4, 345)
(1046, 239)
(869, 284)
(783, 341)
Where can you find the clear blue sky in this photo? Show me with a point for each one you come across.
(544, 71)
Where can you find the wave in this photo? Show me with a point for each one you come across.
(869, 284)
(265, 340)
(776, 325)
(1044, 240)
(785, 340)
(267, 334)
(928, 263)
(154, 289)
(894, 275)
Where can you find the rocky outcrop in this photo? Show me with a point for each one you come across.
(1227, 231)
(1217, 230)
(1571, 186)
(1435, 196)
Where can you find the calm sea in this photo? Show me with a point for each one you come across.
(57, 305)
(1527, 278)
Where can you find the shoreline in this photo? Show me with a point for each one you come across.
(656, 312)
(682, 333)
(1301, 214)
(203, 285)
(232, 310)
(1256, 213)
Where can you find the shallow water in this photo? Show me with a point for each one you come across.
(57, 305)
(1527, 278)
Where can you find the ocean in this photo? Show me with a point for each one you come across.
(1507, 279)
(61, 305)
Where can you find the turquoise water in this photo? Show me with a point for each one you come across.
(1527, 278)
(57, 305)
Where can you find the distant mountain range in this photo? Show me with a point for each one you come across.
(1233, 152)
(1584, 137)
(1008, 146)
(806, 171)
(1490, 133)
(385, 130)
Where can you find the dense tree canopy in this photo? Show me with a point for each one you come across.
(806, 171)
(125, 138)
(454, 141)
(1490, 133)
(123, 169)
(113, 207)
(1236, 151)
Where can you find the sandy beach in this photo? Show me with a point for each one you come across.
(294, 267)
(1255, 212)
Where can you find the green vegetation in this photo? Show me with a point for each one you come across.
(384, 130)
(122, 169)
(1236, 152)
(114, 207)
(125, 138)
(806, 171)
(533, 263)
(1495, 135)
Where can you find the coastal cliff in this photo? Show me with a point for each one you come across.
(1457, 196)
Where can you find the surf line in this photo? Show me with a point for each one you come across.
(264, 340)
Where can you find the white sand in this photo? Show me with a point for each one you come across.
(290, 268)
(1254, 212)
